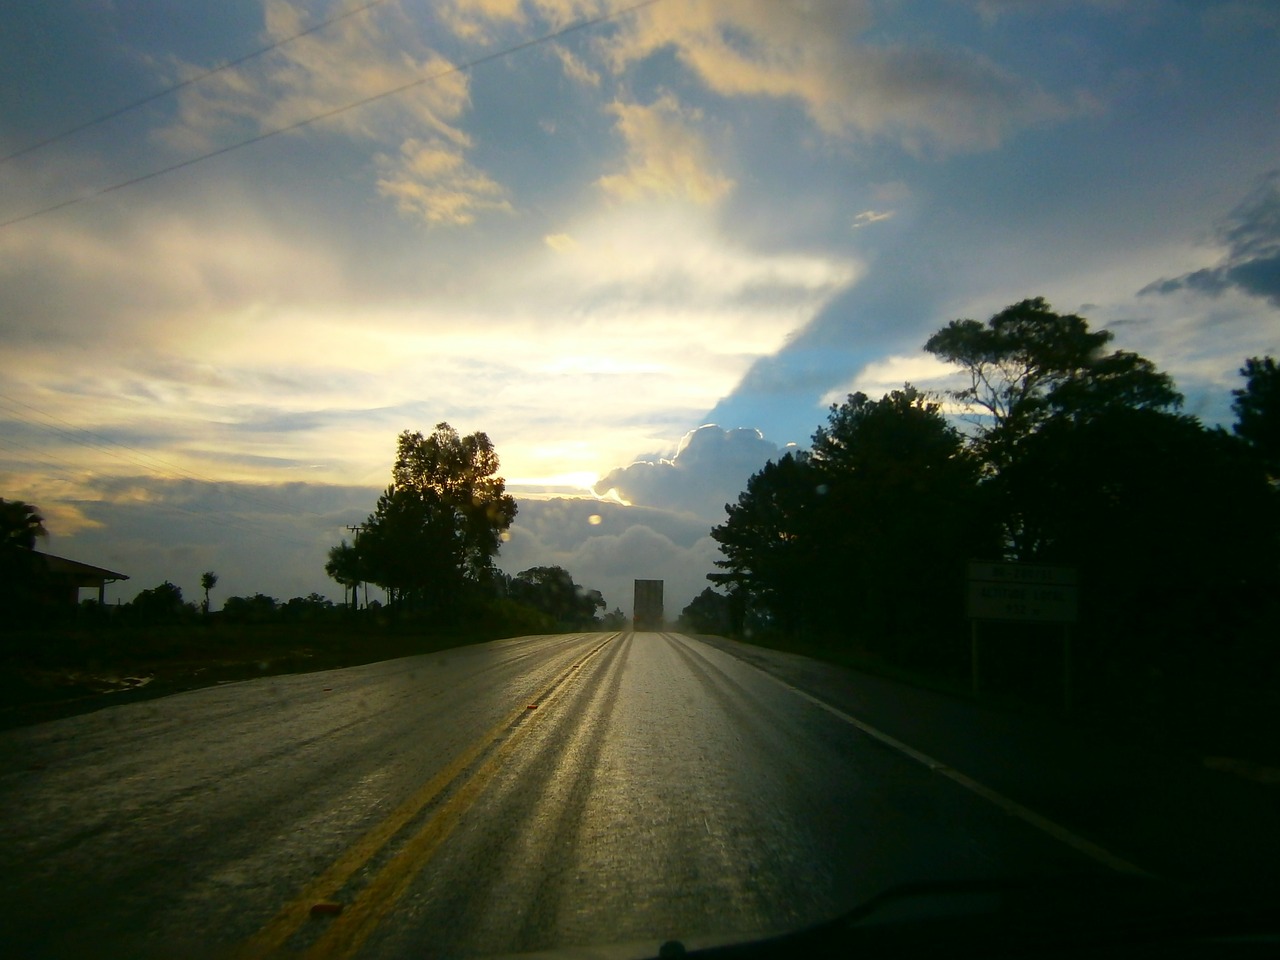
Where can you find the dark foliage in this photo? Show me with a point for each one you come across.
(1078, 458)
(1257, 408)
(552, 591)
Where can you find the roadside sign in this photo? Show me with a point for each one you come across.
(1022, 591)
(1027, 593)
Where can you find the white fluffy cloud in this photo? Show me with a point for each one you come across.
(355, 61)
(922, 96)
(709, 469)
(666, 156)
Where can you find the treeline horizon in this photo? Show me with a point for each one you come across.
(1075, 456)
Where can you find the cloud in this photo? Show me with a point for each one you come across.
(276, 340)
(867, 217)
(921, 96)
(709, 469)
(355, 60)
(628, 544)
(574, 68)
(560, 242)
(1251, 264)
(665, 156)
(272, 538)
(922, 371)
(434, 181)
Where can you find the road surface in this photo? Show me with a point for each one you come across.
(517, 796)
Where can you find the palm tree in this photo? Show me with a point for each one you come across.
(344, 565)
(208, 580)
(20, 525)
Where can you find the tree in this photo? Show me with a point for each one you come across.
(1257, 409)
(769, 542)
(1173, 530)
(20, 569)
(311, 607)
(208, 580)
(1028, 364)
(347, 568)
(708, 612)
(20, 525)
(553, 591)
(864, 538)
(900, 515)
(1029, 367)
(160, 604)
(256, 609)
(437, 527)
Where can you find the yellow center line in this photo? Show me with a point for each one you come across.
(348, 931)
(268, 940)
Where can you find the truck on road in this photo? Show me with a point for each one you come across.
(647, 610)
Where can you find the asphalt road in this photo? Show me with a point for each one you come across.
(522, 795)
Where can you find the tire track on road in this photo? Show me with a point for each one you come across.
(448, 795)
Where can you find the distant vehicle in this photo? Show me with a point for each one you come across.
(648, 605)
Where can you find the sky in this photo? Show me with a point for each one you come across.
(642, 246)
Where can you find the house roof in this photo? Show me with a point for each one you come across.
(61, 566)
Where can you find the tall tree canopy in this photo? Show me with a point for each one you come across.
(1257, 408)
(769, 541)
(878, 516)
(346, 567)
(20, 525)
(1028, 365)
(439, 524)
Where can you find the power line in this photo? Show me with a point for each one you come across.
(186, 83)
(327, 114)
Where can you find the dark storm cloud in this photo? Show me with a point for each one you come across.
(1251, 234)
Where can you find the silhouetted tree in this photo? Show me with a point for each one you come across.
(865, 539)
(311, 607)
(436, 529)
(708, 612)
(614, 620)
(1257, 409)
(771, 542)
(346, 567)
(1028, 364)
(208, 580)
(159, 604)
(1172, 527)
(552, 590)
(20, 570)
(256, 609)
(899, 515)
(20, 525)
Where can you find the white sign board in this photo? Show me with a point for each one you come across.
(1022, 591)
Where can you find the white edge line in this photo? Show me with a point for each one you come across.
(1057, 831)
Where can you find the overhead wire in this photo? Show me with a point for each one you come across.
(464, 67)
(159, 94)
(105, 443)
